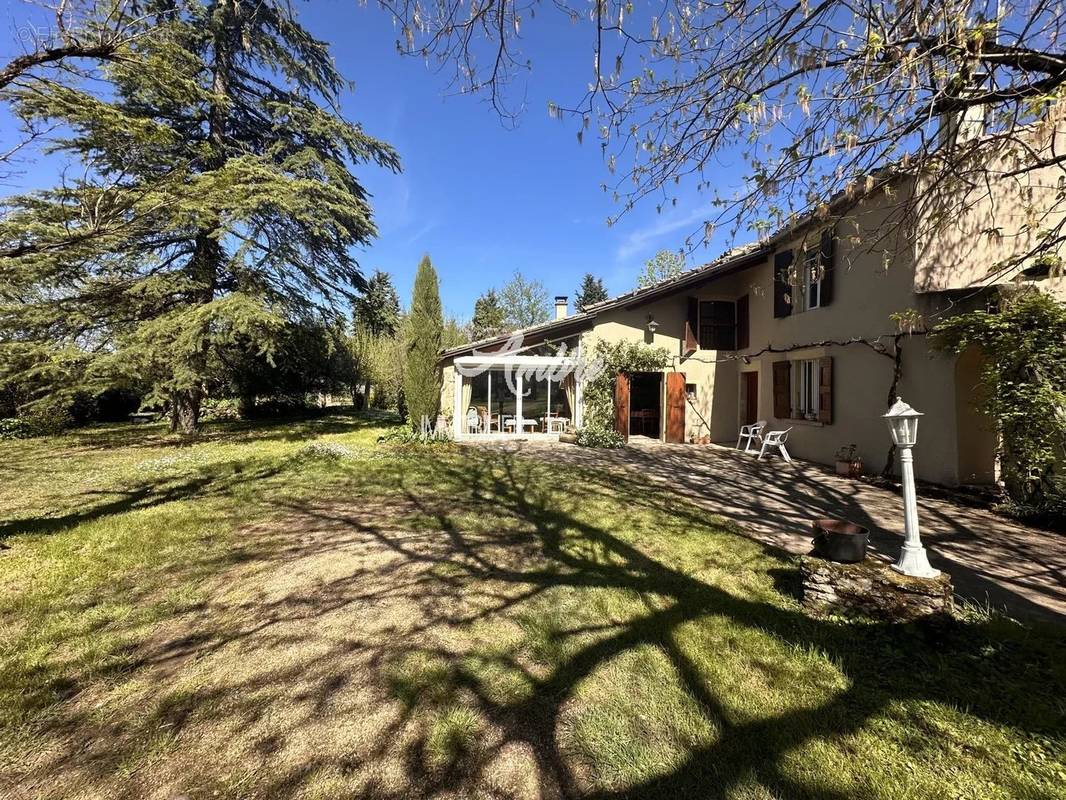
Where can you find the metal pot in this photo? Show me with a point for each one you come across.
(840, 540)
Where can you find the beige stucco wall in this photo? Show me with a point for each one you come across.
(955, 445)
(968, 226)
(868, 290)
(716, 384)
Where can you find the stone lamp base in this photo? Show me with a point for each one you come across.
(872, 588)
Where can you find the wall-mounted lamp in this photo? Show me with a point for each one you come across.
(652, 324)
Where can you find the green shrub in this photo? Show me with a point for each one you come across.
(47, 417)
(14, 428)
(406, 435)
(596, 436)
(220, 409)
(1023, 390)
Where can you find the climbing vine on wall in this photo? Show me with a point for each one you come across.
(624, 356)
(1023, 389)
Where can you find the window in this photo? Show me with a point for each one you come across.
(718, 325)
(809, 283)
(807, 390)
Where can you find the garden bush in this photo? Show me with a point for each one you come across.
(596, 436)
(1023, 390)
(14, 428)
(47, 417)
(407, 435)
(220, 409)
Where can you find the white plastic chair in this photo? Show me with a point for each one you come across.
(473, 421)
(776, 439)
(752, 433)
(556, 424)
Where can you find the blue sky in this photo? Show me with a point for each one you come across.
(483, 200)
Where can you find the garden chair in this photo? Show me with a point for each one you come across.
(473, 421)
(776, 439)
(750, 434)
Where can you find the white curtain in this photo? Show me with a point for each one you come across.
(468, 393)
(569, 386)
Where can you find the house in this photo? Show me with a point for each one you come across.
(800, 329)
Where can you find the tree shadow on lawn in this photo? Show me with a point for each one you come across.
(495, 535)
(992, 561)
(954, 664)
(210, 481)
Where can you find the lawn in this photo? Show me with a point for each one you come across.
(295, 609)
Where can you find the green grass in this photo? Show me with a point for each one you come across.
(248, 616)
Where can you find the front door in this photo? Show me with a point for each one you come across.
(621, 405)
(751, 397)
(675, 407)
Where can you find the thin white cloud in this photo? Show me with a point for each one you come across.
(418, 234)
(642, 239)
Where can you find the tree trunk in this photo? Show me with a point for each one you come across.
(185, 411)
(897, 374)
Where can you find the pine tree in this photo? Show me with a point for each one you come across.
(217, 203)
(425, 328)
(489, 317)
(590, 292)
(377, 309)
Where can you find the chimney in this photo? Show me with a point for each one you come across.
(560, 306)
(957, 127)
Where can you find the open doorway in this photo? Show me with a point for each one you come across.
(646, 404)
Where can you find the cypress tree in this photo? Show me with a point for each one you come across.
(422, 376)
(216, 202)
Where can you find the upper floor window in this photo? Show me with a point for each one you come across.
(803, 279)
(809, 284)
(718, 325)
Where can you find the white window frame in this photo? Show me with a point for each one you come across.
(806, 287)
(510, 360)
(807, 385)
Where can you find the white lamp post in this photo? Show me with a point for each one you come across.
(903, 425)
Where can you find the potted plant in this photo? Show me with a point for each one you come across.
(849, 462)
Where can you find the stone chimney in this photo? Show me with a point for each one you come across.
(560, 306)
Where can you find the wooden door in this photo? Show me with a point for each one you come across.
(675, 407)
(751, 397)
(621, 405)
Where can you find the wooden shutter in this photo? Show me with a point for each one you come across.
(675, 407)
(743, 323)
(825, 390)
(691, 343)
(621, 405)
(826, 262)
(782, 389)
(782, 284)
